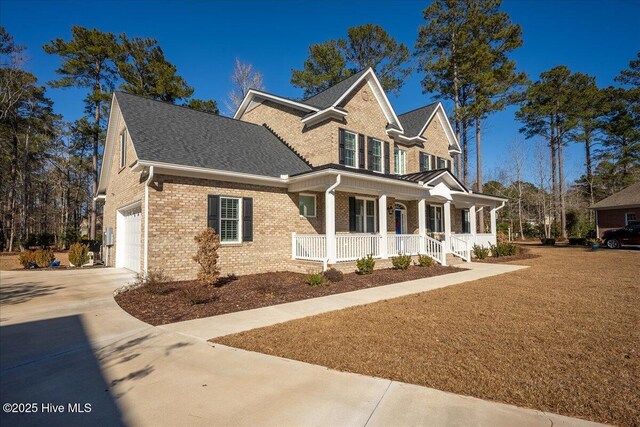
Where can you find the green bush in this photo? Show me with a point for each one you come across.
(401, 262)
(316, 279)
(26, 257)
(503, 249)
(78, 254)
(425, 260)
(365, 265)
(334, 275)
(44, 258)
(480, 252)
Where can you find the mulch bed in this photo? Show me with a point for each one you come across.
(523, 253)
(251, 291)
(561, 336)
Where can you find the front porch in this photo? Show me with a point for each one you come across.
(392, 217)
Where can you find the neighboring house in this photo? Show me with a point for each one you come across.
(287, 184)
(618, 210)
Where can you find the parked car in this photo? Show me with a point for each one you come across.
(627, 236)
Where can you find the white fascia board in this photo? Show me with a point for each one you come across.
(450, 176)
(198, 172)
(321, 115)
(256, 93)
(328, 172)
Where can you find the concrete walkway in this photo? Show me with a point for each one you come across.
(63, 340)
(217, 326)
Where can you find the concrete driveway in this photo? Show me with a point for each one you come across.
(64, 341)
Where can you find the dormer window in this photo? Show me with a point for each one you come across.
(350, 149)
(123, 148)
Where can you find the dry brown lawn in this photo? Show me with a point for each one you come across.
(562, 336)
(9, 261)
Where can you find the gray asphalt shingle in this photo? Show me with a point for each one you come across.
(413, 121)
(163, 132)
(329, 96)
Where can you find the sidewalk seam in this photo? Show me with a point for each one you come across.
(378, 404)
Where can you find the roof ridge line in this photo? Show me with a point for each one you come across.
(281, 139)
(419, 108)
(183, 106)
(335, 84)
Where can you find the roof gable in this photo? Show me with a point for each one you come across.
(329, 96)
(628, 196)
(414, 122)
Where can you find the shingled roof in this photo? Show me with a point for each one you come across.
(413, 121)
(629, 196)
(329, 96)
(167, 133)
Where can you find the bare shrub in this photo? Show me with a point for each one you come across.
(207, 256)
(197, 294)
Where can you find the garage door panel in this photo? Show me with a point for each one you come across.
(130, 245)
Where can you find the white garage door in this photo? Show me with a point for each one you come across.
(128, 238)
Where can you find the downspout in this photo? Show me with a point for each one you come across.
(146, 220)
(330, 213)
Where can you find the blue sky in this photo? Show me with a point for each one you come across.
(203, 37)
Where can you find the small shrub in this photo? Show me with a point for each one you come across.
(401, 262)
(365, 265)
(425, 260)
(27, 257)
(154, 282)
(577, 241)
(548, 242)
(44, 258)
(197, 294)
(78, 254)
(480, 252)
(593, 241)
(334, 275)
(207, 256)
(316, 279)
(503, 249)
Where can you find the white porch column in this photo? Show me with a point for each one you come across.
(472, 223)
(382, 225)
(447, 225)
(330, 224)
(492, 214)
(422, 223)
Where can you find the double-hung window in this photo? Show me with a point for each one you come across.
(425, 162)
(376, 156)
(629, 217)
(435, 219)
(365, 215)
(350, 149)
(123, 148)
(400, 161)
(442, 163)
(230, 220)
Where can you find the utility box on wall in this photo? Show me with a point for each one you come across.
(108, 236)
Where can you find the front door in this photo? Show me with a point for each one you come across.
(401, 219)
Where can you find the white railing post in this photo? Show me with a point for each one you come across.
(382, 220)
(293, 245)
(447, 225)
(472, 224)
(422, 223)
(330, 225)
(492, 214)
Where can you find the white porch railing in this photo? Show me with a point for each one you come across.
(406, 244)
(350, 247)
(460, 247)
(310, 247)
(480, 239)
(433, 248)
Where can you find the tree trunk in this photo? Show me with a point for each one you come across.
(465, 153)
(11, 197)
(94, 171)
(554, 181)
(587, 149)
(479, 171)
(563, 213)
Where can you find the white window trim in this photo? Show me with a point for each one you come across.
(231, 242)
(356, 159)
(315, 205)
(123, 148)
(446, 163)
(397, 150)
(381, 155)
(626, 218)
(375, 214)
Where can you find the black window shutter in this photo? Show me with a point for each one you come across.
(422, 159)
(369, 153)
(247, 219)
(387, 160)
(361, 149)
(352, 214)
(213, 213)
(433, 163)
(341, 146)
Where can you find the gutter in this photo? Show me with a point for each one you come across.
(146, 220)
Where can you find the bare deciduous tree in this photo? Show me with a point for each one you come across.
(243, 78)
